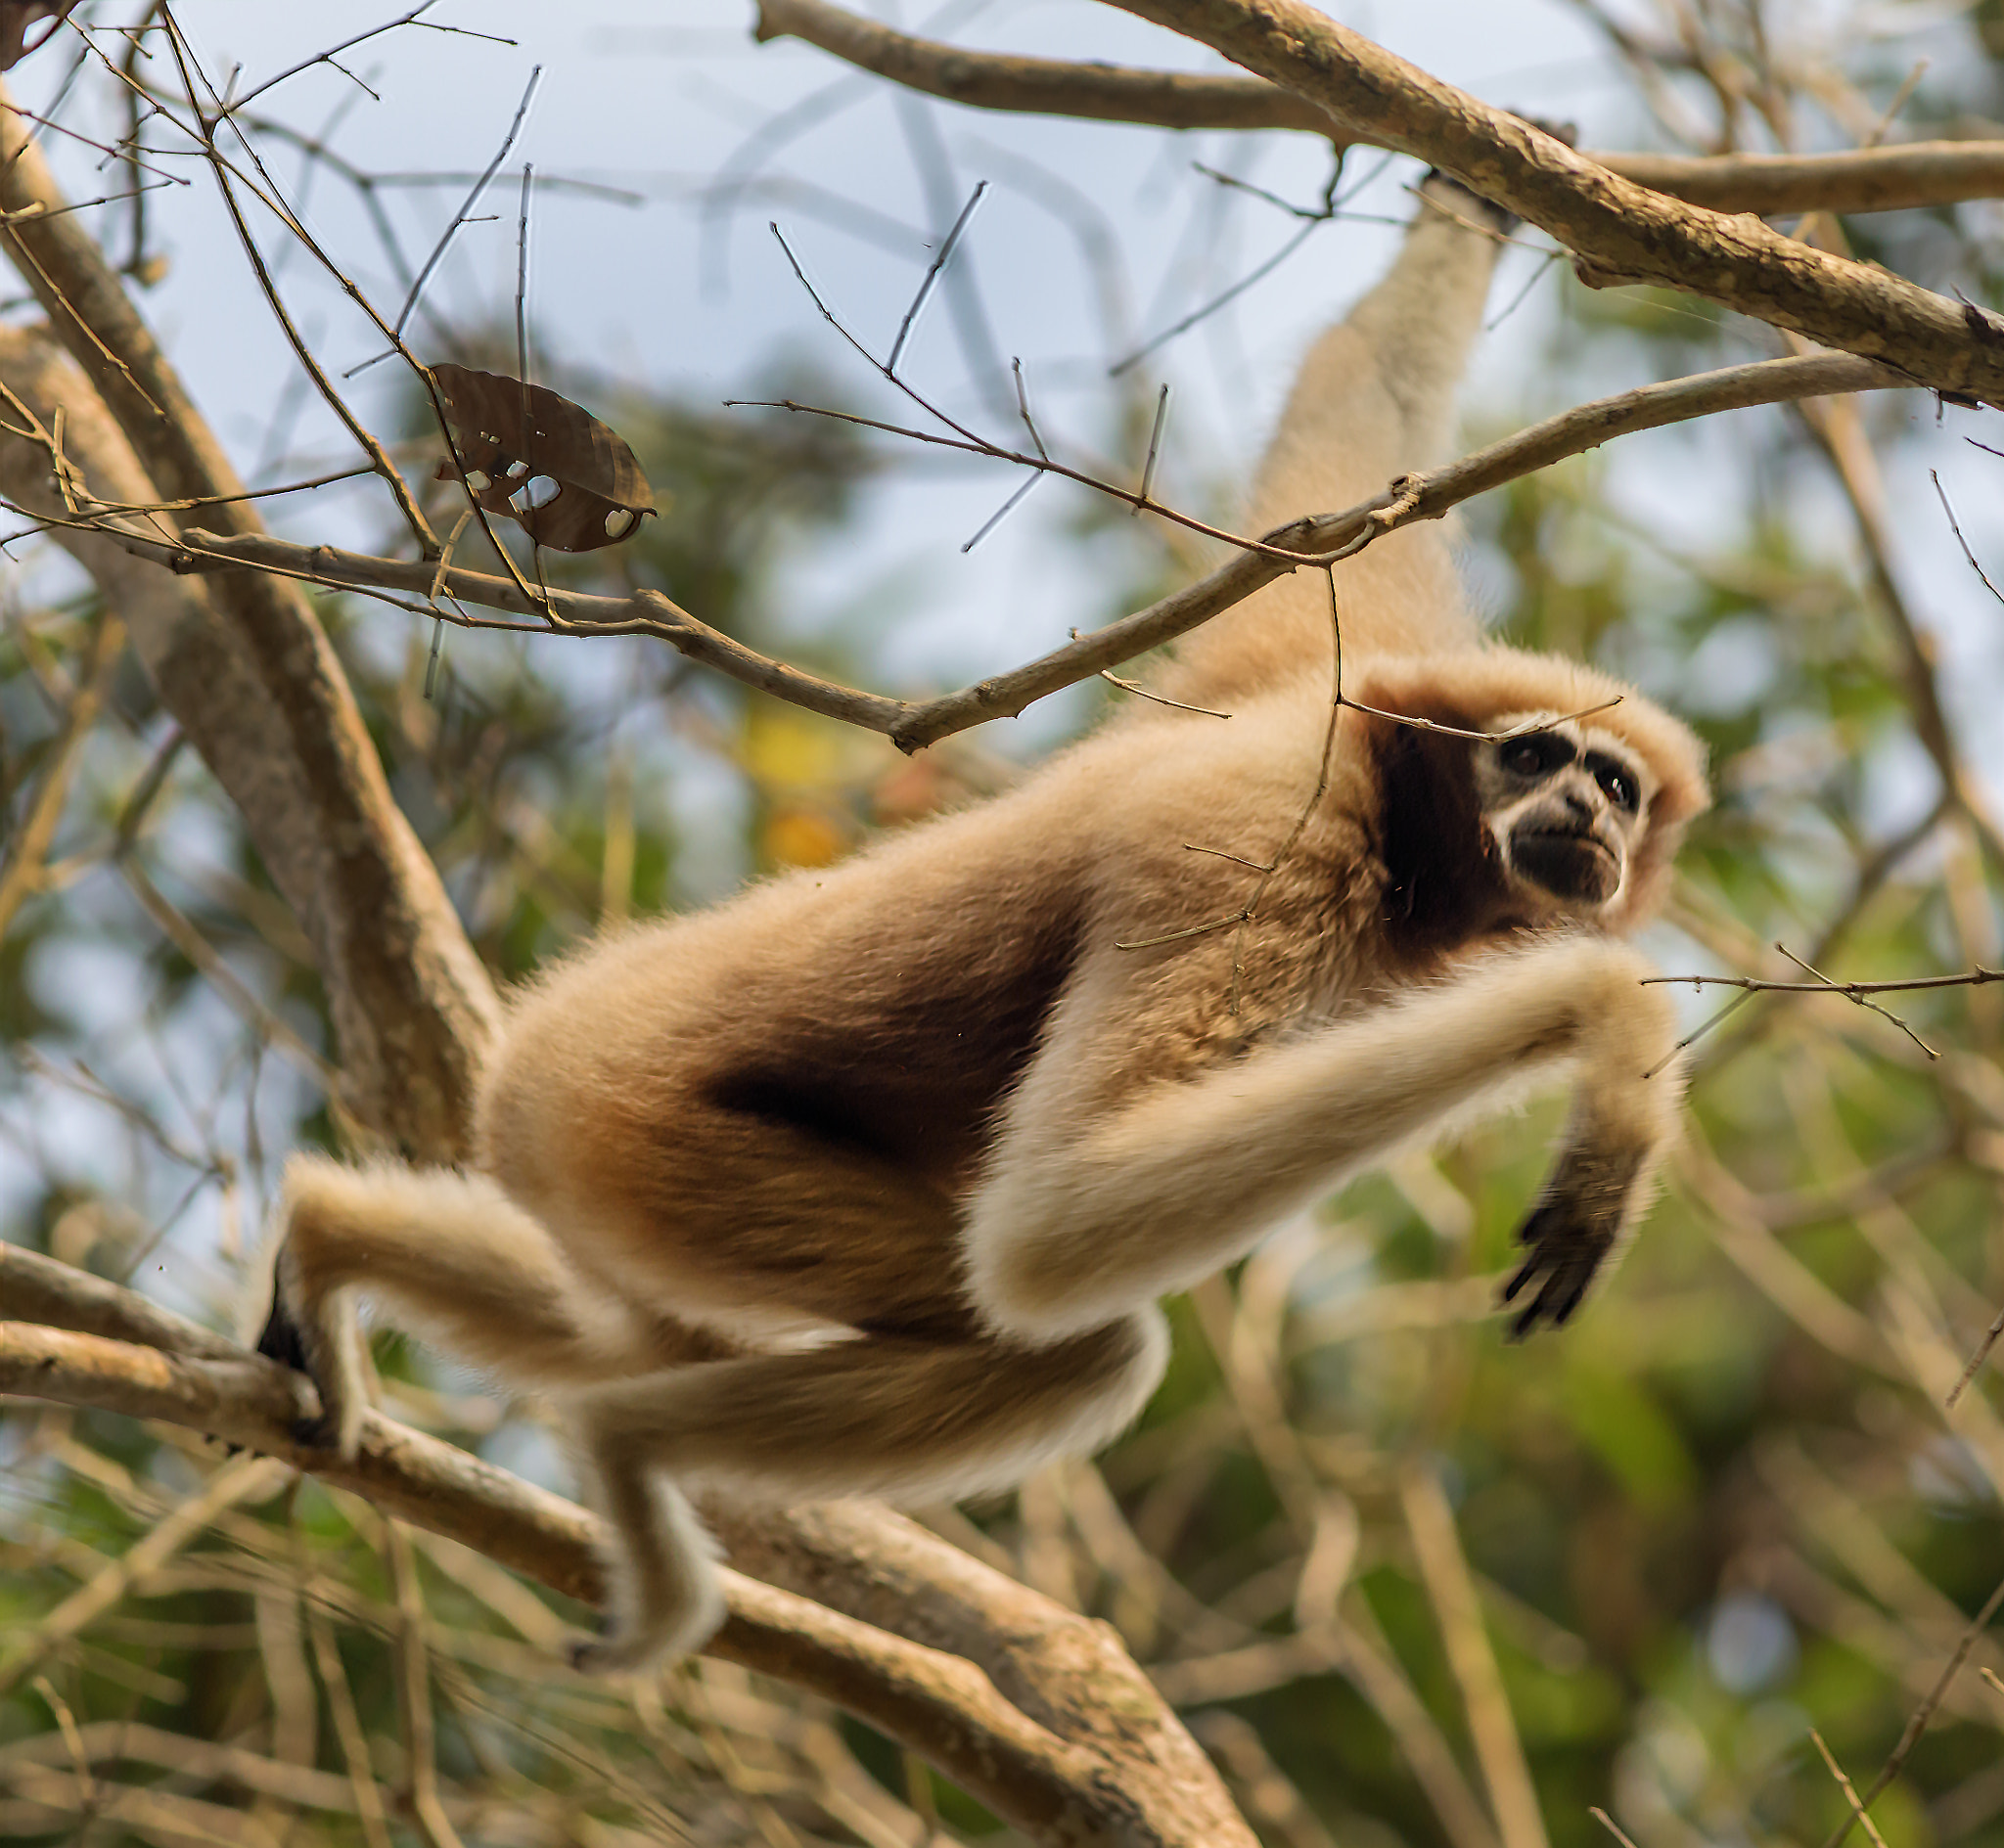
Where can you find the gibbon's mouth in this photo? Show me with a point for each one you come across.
(1568, 865)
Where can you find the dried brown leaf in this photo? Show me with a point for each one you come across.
(532, 456)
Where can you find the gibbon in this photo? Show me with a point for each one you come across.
(865, 1183)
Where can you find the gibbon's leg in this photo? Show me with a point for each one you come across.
(1075, 1223)
(1374, 399)
(876, 1416)
(453, 1253)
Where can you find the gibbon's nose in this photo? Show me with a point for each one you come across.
(1579, 807)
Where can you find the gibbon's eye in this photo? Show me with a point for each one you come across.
(1618, 785)
(1537, 755)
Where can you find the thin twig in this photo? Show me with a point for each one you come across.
(364, 438)
(1193, 930)
(1159, 699)
(1860, 1001)
(1002, 513)
(1155, 444)
(969, 443)
(948, 245)
(1990, 1338)
(1697, 1033)
(1609, 1824)
(1308, 808)
(1023, 407)
(473, 198)
(1916, 1722)
(1849, 1790)
(1955, 526)
(1976, 977)
(1257, 866)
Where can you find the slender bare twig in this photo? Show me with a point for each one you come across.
(328, 57)
(1613, 1827)
(1970, 978)
(934, 270)
(1043, 463)
(964, 438)
(1883, 1013)
(473, 198)
(1955, 526)
(1849, 1790)
(1991, 1336)
(303, 350)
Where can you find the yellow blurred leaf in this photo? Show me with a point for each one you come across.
(796, 836)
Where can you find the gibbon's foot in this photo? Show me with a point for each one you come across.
(337, 1426)
(282, 1341)
(1570, 1231)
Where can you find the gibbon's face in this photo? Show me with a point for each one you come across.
(1565, 806)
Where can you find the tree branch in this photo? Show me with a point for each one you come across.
(1877, 179)
(915, 724)
(935, 1703)
(1041, 86)
(1617, 231)
(1045, 1720)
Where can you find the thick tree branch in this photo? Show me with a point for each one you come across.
(1875, 179)
(1617, 231)
(249, 672)
(1045, 1719)
(914, 724)
(936, 1704)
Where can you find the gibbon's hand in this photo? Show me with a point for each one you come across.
(1576, 1222)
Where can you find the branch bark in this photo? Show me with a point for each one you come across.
(1617, 231)
(1032, 1708)
(1877, 179)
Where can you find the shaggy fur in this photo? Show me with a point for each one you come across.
(866, 1181)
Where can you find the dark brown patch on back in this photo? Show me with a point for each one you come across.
(911, 1067)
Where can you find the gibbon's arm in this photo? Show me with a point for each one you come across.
(1373, 400)
(1081, 1215)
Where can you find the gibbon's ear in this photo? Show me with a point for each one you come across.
(1472, 687)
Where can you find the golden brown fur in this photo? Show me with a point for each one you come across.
(866, 1181)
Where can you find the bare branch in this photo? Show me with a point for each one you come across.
(1617, 231)
(1041, 86)
(1879, 179)
(914, 724)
